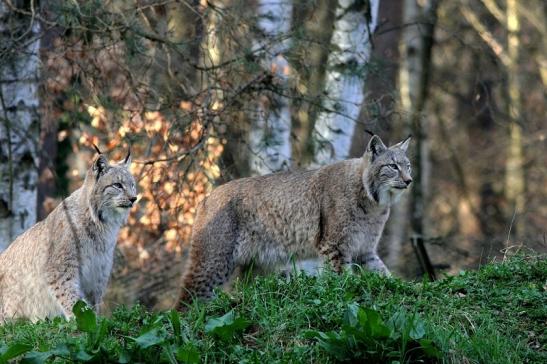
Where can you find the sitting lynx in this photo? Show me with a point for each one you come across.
(336, 212)
(68, 256)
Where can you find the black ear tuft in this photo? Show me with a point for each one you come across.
(127, 160)
(100, 166)
(376, 146)
(403, 145)
(97, 149)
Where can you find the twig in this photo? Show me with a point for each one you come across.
(511, 227)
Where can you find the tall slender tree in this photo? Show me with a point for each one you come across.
(312, 24)
(270, 131)
(514, 173)
(417, 47)
(19, 119)
(346, 70)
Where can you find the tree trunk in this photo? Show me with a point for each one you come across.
(381, 94)
(344, 83)
(313, 27)
(270, 131)
(414, 86)
(19, 120)
(50, 109)
(514, 174)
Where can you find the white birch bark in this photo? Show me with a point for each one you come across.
(345, 91)
(19, 123)
(270, 132)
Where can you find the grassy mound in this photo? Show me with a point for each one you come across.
(495, 315)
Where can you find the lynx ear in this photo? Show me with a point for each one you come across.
(375, 146)
(403, 144)
(127, 160)
(100, 165)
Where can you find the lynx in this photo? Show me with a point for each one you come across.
(68, 256)
(336, 213)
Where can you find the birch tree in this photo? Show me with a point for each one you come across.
(344, 90)
(19, 121)
(270, 131)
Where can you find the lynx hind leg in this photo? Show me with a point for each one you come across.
(372, 262)
(211, 262)
(203, 276)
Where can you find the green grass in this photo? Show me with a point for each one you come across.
(495, 315)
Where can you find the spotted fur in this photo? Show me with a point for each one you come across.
(336, 212)
(68, 256)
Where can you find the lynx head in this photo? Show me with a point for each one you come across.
(388, 173)
(110, 188)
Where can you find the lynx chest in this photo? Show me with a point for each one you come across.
(365, 230)
(96, 257)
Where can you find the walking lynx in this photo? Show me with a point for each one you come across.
(68, 256)
(336, 212)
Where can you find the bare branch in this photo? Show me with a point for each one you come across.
(494, 10)
(485, 34)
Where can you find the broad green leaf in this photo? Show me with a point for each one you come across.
(37, 357)
(40, 357)
(374, 324)
(150, 338)
(86, 320)
(397, 325)
(82, 355)
(417, 330)
(188, 353)
(14, 351)
(227, 326)
(351, 314)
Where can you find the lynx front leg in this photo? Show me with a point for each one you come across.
(335, 257)
(65, 287)
(373, 263)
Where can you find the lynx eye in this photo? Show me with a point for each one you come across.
(394, 166)
(118, 185)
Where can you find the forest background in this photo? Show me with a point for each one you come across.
(208, 91)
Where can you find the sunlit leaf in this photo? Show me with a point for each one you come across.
(86, 320)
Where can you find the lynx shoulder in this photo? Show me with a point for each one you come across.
(68, 256)
(336, 213)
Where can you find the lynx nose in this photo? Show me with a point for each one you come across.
(408, 181)
(133, 199)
